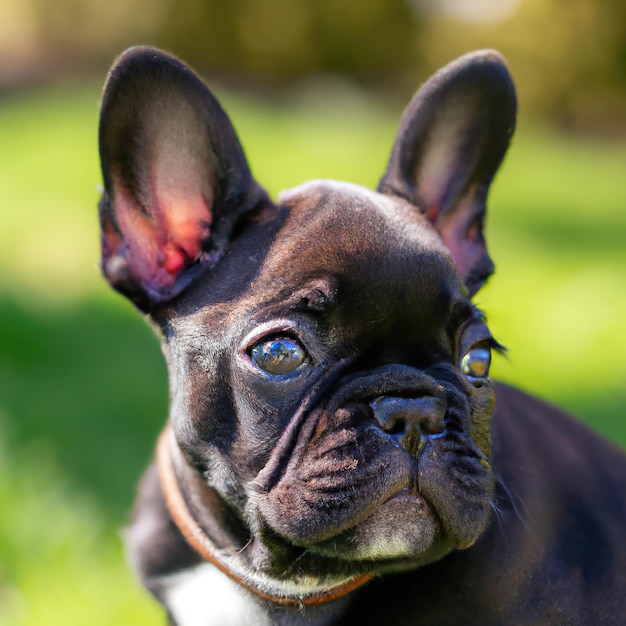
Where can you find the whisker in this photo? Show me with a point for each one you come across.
(517, 504)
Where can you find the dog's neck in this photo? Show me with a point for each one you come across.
(211, 540)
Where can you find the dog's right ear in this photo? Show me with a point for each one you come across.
(175, 177)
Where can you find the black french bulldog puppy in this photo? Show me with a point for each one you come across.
(333, 454)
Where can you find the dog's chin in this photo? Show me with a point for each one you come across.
(401, 533)
(346, 490)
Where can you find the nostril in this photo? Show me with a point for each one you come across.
(398, 415)
(395, 427)
(433, 414)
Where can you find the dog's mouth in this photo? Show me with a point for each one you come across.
(384, 471)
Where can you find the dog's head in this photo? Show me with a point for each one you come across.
(329, 373)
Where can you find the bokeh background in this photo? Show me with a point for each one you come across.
(315, 89)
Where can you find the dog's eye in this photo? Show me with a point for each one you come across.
(278, 356)
(475, 363)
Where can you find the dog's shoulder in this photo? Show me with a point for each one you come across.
(561, 507)
(531, 435)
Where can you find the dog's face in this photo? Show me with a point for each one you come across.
(329, 374)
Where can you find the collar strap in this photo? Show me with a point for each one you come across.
(198, 539)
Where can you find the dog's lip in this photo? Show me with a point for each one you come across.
(410, 493)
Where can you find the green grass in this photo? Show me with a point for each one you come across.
(82, 383)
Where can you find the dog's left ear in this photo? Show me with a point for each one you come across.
(451, 141)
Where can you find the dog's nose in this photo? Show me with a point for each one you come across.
(399, 416)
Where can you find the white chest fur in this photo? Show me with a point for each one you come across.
(203, 596)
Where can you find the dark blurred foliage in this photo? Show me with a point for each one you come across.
(568, 56)
(276, 41)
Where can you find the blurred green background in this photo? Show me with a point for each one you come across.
(315, 89)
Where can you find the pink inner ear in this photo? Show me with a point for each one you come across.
(159, 246)
(458, 229)
(185, 223)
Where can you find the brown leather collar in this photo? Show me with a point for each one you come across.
(198, 539)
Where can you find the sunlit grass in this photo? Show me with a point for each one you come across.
(49, 173)
(59, 561)
(82, 387)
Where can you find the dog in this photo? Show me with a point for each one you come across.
(336, 452)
